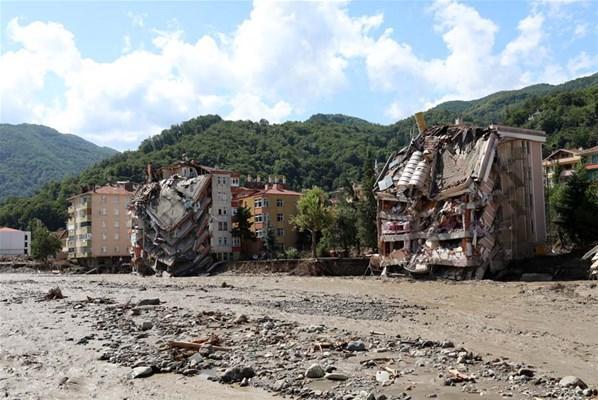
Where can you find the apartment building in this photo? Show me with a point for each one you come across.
(565, 161)
(14, 242)
(272, 209)
(98, 225)
(223, 183)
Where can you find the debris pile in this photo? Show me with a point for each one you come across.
(592, 255)
(170, 225)
(457, 201)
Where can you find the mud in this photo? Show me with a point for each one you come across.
(81, 348)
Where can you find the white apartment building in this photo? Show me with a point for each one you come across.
(14, 242)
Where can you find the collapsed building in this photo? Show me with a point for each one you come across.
(182, 222)
(462, 201)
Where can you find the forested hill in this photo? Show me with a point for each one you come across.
(33, 155)
(325, 150)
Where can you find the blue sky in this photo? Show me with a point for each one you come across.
(118, 72)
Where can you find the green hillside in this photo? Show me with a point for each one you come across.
(324, 150)
(33, 155)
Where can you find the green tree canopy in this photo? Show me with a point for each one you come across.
(314, 214)
(43, 242)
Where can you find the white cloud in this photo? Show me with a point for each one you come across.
(583, 63)
(581, 30)
(528, 44)
(137, 19)
(284, 56)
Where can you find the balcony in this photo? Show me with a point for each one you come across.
(84, 229)
(85, 218)
(84, 243)
(70, 210)
(83, 252)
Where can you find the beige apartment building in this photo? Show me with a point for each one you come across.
(99, 224)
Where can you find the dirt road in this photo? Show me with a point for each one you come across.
(49, 349)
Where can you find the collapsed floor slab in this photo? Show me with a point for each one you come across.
(170, 225)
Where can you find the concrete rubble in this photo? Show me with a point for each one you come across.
(592, 255)
(461, 201)
(170, 225)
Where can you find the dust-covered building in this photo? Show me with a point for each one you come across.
(462, 201)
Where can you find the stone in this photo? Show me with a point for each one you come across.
(572, 381)
(526, 372)
(195, 359)
(315, 371)
(588, 392)
(280, 385)
(356, 345)
(244, 382)
(141, 372)
(336, 376)
(236, 374)
(148, 302)
(146, 326)
(382, 376)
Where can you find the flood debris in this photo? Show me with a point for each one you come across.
(592, 255)
(54, 294)
(171, 224)
(462, 201)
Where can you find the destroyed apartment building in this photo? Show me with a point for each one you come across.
(462, 201)
(182, 222)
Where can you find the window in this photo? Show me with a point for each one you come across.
(115, 199)
(259, 233)
(116, 211)
(258, 203)
(104, 236)
(103, 199)
(279, 217)
(224, 211)
(279, 232)
(116, 249)
(116, 224)
(116, 236)
(104, 249)
(225, 226)
(219, 211)
(103, 211)
(259, 218)
(219, 241)
(103, 223)
(279, 203)
(219, 225)
(236, 241)
(225, 241)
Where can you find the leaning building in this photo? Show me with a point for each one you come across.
(462, 201)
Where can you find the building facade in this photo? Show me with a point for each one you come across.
(14, 242)
(99, 223)
(564, 162)
(272, 210)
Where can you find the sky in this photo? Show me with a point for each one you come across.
(118, 72)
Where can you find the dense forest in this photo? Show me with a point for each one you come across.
(33, 155)
(325, 150)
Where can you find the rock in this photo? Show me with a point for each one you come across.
(588, 392)
(244, 382)
(236, 374)
(572, 381)
(146, 326)
(280, 385)
(382, 376)
(525, 372)
(195, 359)
(356, 345)
(336, 376)
(141, 372)
(149, 302)
(315, 371)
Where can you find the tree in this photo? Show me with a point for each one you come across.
(314, 214)
(367, 208)
(576, 208)
(242, 228)
(43, 242)
(342, 232)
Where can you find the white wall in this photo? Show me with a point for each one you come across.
(15, 243)
(221, 212)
